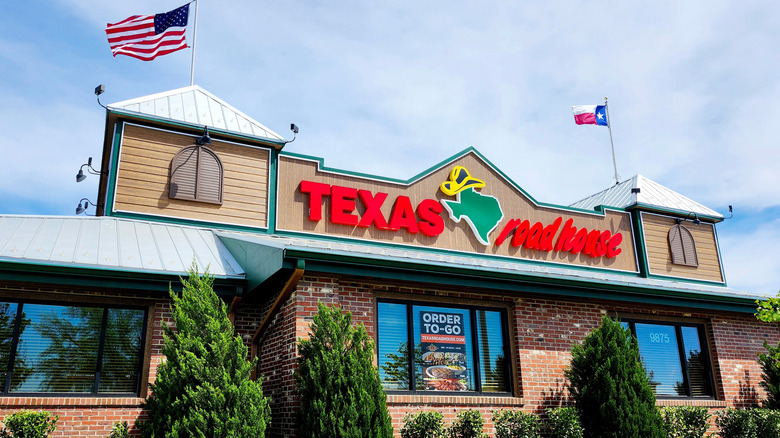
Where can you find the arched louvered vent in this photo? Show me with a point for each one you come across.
(196, 175)
(682, 247)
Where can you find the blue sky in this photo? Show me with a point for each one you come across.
(392, 88)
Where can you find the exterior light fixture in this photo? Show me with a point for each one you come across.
(100, 89)
(695, 220)
(83, 208)
(294, 129)
(204, 139)
(81, 176)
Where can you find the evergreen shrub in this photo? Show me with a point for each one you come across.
(29, 424)
(515, 424)
(767, 422)
(770, 374)
(423, 425)
(609, 386)
(120, 430)
(736, 423)
(563, 423)
(468, 424)
(203, 388)
(341, 394)
(686, 421)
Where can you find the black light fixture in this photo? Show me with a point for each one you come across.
(100, 89)
(635, 190)
(81, 176)
(294, 129)
(83, 208)
(204, 139)
(695, 220)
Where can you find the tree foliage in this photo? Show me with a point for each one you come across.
(29, 424)
(768, 310)
(341, 394)
(609, 386)
(203, 388)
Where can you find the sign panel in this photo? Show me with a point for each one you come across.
(463, 205)
(443, 341)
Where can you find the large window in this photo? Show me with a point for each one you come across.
(57, 349)
(438, 348)
(675, 358)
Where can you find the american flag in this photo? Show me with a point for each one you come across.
(148, 36)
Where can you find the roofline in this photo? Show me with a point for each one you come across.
(276, 144)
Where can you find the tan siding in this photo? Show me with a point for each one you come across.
(659, 259)
(457, 236)
(144, 165)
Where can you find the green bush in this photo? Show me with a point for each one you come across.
(341, 394)
(609, 386)
(563, 423)
(120, 430)
(736, 423)
(770, 374)
(423, 425)
(468, 424)
(767, 422)
(686, 421)
(29, 424)
(203, 388)
(515, 424)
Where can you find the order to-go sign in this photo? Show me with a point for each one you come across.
(442, 328)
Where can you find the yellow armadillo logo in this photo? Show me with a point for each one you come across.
(460, 180)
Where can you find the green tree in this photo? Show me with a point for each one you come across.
(203, 388)
(610, 388)
(769, 311)
(341, 394)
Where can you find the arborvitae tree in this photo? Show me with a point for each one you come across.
(609, 386)
(203, 388)
(341, 394)
(769, 311)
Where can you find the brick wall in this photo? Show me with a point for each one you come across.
(544, 330)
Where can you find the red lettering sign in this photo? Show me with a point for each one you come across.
(594, 243)
(344, 203)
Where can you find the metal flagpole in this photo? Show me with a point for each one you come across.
(194, 37)
(609, 125)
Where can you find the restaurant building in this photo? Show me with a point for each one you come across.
(472, 290)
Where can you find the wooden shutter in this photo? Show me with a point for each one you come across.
(682, 247)
(196, 175)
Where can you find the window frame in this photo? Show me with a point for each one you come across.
(704, 336)
(503, 311)
(95, 393)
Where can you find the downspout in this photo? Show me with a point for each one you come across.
(285, 293)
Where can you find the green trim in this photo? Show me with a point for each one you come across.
(259, 260)
(212, 130)
(111, 179)
(189, 222)
(653, 208)
(459, 276)
(720, 256)
(440, 251)
(601, 210)
(273, 166)
(105, 278)
(641, 253)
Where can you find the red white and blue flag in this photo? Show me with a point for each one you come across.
(148, 36)
(590, 115)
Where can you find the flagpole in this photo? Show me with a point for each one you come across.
(194, 37)
(609, 125)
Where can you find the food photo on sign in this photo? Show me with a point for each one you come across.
(444, 358)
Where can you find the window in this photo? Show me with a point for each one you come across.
(196, 175)
(426, 348)
(675, 358)
(682, 246)
(58, 349)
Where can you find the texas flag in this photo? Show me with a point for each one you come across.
(590, 115)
